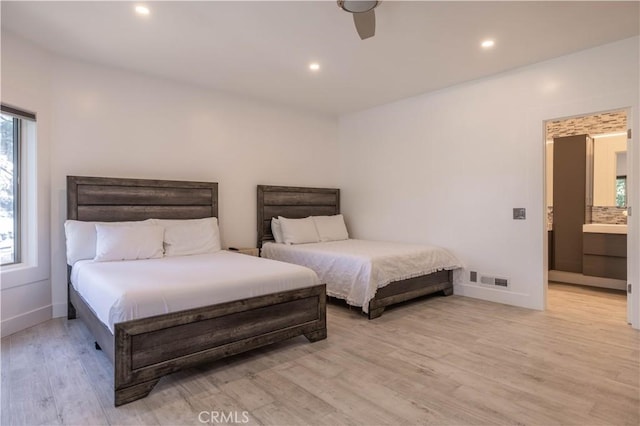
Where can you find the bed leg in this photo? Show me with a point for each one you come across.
(316, 335)
(71, 311)
(447, 291)
(375, 313)
(132, 393)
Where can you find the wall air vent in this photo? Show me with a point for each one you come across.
(487, 280)
(502, 282)
(494, 281)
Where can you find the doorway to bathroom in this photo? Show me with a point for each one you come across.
(586, 207)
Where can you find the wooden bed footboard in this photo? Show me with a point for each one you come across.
(401, 291)
(146, 349)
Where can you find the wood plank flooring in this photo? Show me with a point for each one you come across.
(440, 361)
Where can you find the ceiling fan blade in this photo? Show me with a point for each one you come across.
(365, 23)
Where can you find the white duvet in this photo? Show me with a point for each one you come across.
(355, 269)
(125, 290)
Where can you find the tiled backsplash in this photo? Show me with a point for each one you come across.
(597, 124)
(615, 215)
(599, 214)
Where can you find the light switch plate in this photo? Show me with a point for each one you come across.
(519, 213)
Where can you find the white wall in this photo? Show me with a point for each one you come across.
(549, 174)
(448, 167)
(108, 122)
(25, 289)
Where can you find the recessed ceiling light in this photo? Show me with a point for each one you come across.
(142, 10)
(314, 66)
(488, 44)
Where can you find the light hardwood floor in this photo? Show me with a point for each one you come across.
(438, 360)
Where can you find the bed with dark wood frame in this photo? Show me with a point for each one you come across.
(143, 350)
(299, 202)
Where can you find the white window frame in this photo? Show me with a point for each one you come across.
(27, 258)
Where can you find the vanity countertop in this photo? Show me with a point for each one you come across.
(604, 228)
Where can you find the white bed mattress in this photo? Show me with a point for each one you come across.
(125, 290)
(353, 270)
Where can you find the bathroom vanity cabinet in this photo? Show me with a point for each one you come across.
(604, 255)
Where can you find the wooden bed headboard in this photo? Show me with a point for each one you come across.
(117, 199)
(293, 202)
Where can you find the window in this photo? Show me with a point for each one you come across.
(12, 122)
(621, 191)
(9, 190)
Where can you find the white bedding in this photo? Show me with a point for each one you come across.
(125, 290)
(354, 269)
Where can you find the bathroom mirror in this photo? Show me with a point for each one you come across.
(610, 170)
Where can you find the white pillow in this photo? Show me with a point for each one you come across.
(81, 238)
(190, 236)
(298, 231)
(331, 228)
(128, 242)
(276, 230)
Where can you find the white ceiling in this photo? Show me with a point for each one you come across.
(262, 49)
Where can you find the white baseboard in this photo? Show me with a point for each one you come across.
(575, 278)
(26, 320)
(495, 295)
(59, 310)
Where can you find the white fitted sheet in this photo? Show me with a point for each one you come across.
(354, 270)
(126, 290)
